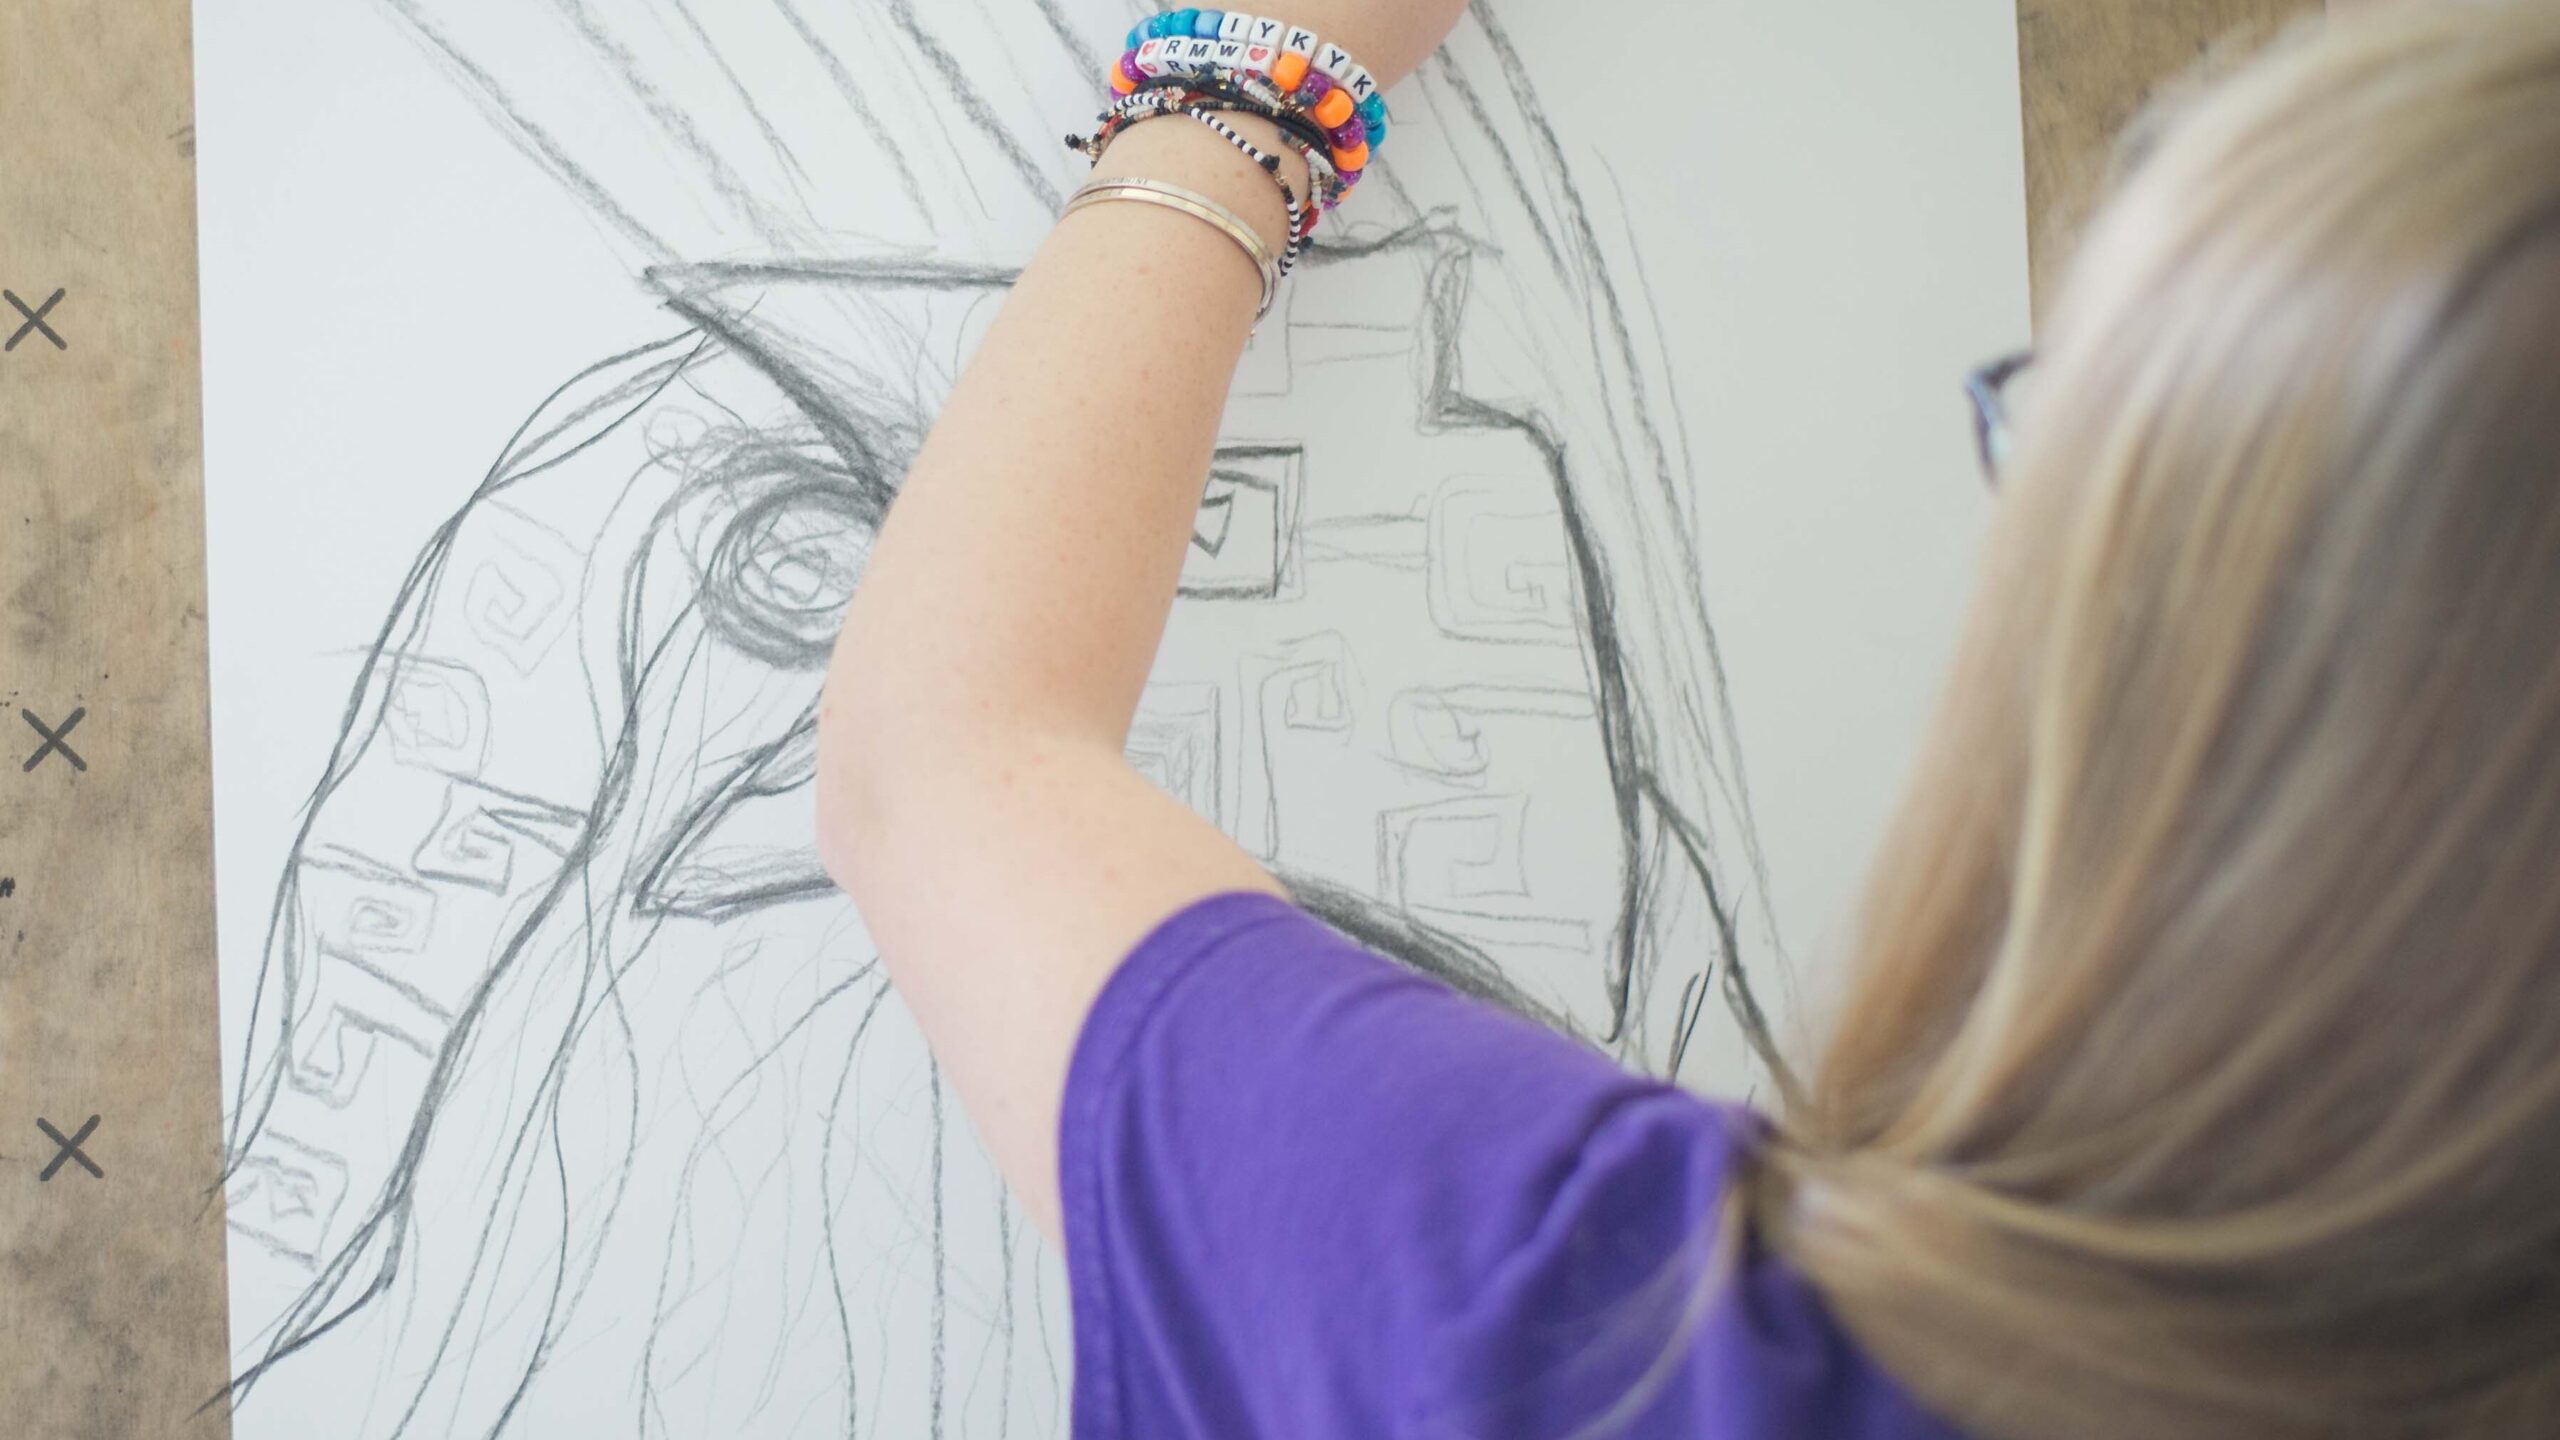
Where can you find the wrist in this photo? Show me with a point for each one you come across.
(1182, 151)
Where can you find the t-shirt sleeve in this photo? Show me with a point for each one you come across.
(1311, 1193)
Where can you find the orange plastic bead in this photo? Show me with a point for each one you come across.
(1335, 108)
(1289, 69)
(1121, 84)
(1354, 157)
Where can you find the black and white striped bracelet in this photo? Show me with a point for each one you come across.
(1270, 164)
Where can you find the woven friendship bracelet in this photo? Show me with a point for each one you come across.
(1255, 94)
(1172, 98)
(1270, 166)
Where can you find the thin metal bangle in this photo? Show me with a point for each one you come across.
(1197, 206)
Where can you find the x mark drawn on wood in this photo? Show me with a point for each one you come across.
(70, 1149)
(53, 740)
(35, 320)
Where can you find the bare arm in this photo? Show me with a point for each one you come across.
(973, 795)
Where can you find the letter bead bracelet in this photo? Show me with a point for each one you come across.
(1200, 63)
(1310, 78)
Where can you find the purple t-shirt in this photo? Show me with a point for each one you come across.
(1311, 1194)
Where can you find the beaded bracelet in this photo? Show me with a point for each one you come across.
(1253, 93)
(1171, 99)
(1308, 76)
(1354, 122)
(1246, 96)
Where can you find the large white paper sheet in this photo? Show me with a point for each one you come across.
(1590, 531)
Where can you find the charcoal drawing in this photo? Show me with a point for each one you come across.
(572, 1091)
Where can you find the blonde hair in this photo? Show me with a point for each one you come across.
(2201, 1075)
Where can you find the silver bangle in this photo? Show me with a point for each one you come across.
(1197, 206)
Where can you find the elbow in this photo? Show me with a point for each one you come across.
(892, 764)
(855, 788)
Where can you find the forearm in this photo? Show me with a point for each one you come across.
(1023, 576)
(1023, 579)
(972, 794)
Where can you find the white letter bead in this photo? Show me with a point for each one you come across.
(1235, 26)
(1266, 32)
(1360, 83)
(1151, 58)
(1197, 55)
(1258, 57)
(1335, 62)
(1302, 41)
(1230, 53)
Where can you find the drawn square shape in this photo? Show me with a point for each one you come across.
(1244, 540)
(437, 715)
(1500, 569)
(284, 1196)
(333, 1057)
(1455, 853)
(1174, 742)
(519, 581)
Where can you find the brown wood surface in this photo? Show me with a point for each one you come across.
(2085, 68)
(112, 1306)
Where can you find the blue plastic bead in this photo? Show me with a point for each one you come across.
(1206, 27)
(1181, 25)
(1170, 24)
(1137, 36)
(1374, 109)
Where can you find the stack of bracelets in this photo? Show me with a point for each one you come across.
(1203, 63)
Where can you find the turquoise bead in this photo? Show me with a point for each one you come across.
(1206, 27)
(1374, 109)
(1137, 35)
(1169, 24)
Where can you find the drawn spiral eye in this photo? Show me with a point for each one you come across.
(782, 566)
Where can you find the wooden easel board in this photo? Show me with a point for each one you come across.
(112, 1306)
(112, 1287)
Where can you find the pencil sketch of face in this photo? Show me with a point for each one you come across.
(575, 1096)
